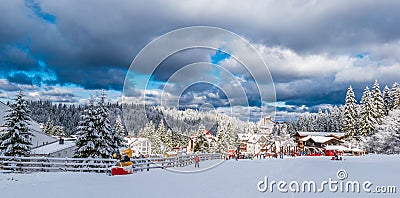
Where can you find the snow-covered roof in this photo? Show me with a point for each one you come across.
(357, 150)
(52, 148)
(336, 148)
(244, 136)
(254, 138)
(38, 138)
(306, 133)
(318, 139)
(135, 141)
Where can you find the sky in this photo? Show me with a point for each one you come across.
(65, 50)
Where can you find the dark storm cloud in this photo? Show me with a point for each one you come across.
(21, 78)
(91, 43)
(92, 78)
(178, 60)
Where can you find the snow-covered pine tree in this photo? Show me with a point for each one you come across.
(387, 100)
(106, 146)
(232, 137)
(201, 144)
(367, 121)
(118, 134)
(58, 131)
(15, 138)
(175, 139)
(48, 127)
(119, 126)
(350, 114)
(396, 95)
(158, 138)
(336, 119)
(87, 133)
(378, 107)
(168, 140)
(149, 132)
(386, 139)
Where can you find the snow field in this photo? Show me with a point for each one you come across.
(229, 179)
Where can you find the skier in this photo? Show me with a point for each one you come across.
(196, 161)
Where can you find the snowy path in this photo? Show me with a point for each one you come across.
(230, 179)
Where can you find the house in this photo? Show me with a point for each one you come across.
(62, 148)
(243, 138)
(314, 142)
(258, 143)
(260, 140)
(265, 125)
(38, 139)
(139, 145)
(329, 137)
(211, 140)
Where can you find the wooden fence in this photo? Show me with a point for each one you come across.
(47, 164)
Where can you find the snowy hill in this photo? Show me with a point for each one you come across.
(38, 139)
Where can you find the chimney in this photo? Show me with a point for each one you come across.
(61, 141)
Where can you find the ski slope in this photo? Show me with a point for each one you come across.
(229, 179)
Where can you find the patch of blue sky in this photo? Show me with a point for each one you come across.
(362, 55)
(139, 80)
(35, 7)
(155, 84)
(219, 56)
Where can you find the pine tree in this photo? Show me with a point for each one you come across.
(222, 145)
(350, 114)
(168, 140)
(367, 121)
(386, 140)
(387, 101)
(232, 137)
(378, 108)
(201, 143)
(106, 147)
(48, 127)
(57, 131)
(118, 135)
(396, 96)
(88, 137)
(150, 134)
(119, 126)
(15, 138)
(175, 139)
(158, 138)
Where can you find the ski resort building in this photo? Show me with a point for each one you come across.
(316, 141)
(243, 138)
(258, 143)
(265, 125)
(62, 148)
(139, 146)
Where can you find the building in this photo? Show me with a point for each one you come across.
(62, 148)
(313, 142)
(265, 125)
(243, 138)
(139, 145)
(258, 144)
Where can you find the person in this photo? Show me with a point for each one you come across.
(196, 161)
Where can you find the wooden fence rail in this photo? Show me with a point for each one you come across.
(47, 164)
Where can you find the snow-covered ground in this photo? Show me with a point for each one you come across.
(229, 179)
